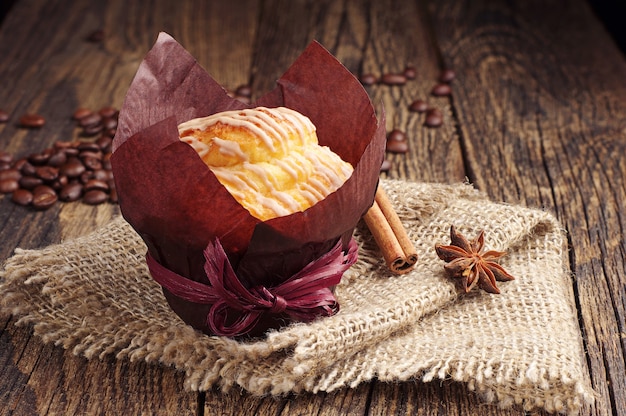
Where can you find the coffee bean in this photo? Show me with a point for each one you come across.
(63, 145)
(43, 189)
(88, 147)
(244, 91)
(38, 159)
(108, 112)
(396, 135)
(73, 168)
(434, 111)
(90, 120)
(4, 116)
(95, 197)
(81, 113)
(59, 183)
(397, 142)
(102, 175)
(419, 106)
(447, 75)
(96, 184)
(5, 166)
(71, 151)
(44, 197)
(368, 79)
(441, 89)
(30, 182)
(397, 147)
(96, 36)
(434, 118)
(47, 173)
(25, 167)
(6, 157)
(90, 131)
(10, 174)
(71, 192)
(22, 197)
(8, 185)
(86, 176)
(57, 159)
(93, 154)
(32, 120)
(92, 163)
(245, 100)
(410, 72)
(104, 143)
(109, 123)
(393, 79)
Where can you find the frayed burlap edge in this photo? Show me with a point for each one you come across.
(93, 295)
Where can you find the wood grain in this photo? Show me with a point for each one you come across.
(552, 116)
(537, 117)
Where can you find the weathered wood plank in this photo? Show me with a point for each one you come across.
(340, 402)
(14, 390)
(45, 379)
(540, 103)
(401, 36)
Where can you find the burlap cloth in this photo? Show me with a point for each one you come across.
(95, 296)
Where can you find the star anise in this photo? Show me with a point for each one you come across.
(467, 260)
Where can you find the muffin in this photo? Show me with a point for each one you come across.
(247, 211)
(269, 159)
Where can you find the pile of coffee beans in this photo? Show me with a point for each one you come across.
(69, 170)
(92, 123)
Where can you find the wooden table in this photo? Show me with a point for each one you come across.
(537, 116)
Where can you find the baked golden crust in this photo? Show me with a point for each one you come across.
(269, 159)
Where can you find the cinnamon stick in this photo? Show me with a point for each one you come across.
(389, 233)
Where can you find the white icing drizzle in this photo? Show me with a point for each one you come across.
(314, 188)
(262, 173)
(229, 148)
(297, 123)
(240, 180)
(287, 200)
(288, 166)
(200, 147)
(306, 193)
(272, 205)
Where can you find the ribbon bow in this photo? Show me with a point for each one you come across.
(304, 296)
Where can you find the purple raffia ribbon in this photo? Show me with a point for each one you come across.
(304, 296)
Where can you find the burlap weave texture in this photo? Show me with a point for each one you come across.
(94, 295)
